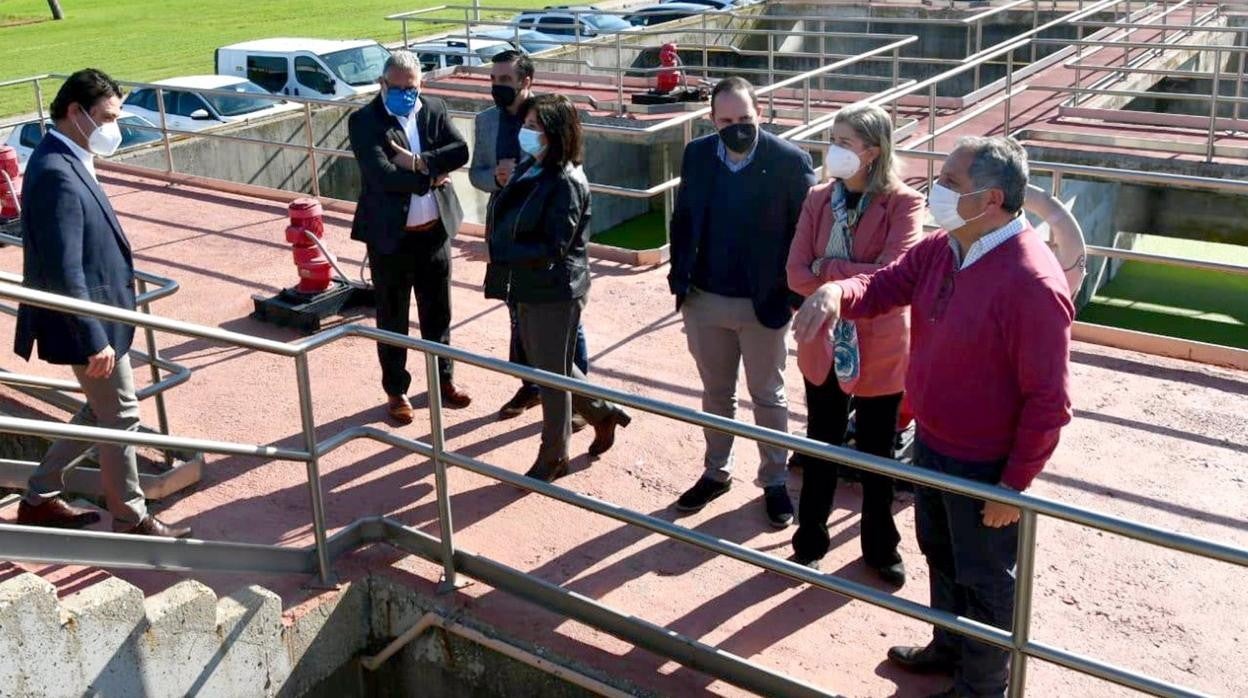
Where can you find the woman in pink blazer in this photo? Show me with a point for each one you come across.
(859, 221)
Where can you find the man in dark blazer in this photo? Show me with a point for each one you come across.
(74, 246)
(406, 147)
(736, 211)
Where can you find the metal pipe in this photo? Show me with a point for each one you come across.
(662, 641)
(316, 174)
(162, 415)
(77, 432)
(164, 127)
(1213, 104)
(1009, 88)
(1149, 258)
(931, 130)
(438, 436)
(43, 128)
(1024, 576)
(437, 620)
(324, 572)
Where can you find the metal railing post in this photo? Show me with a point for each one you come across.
(931, 131)
(1239, 88)
(1009, 88)
(406, 41)
(771, 74)
(437, 441)
(1213, 103)
(979, 42)
(806, 103)
(892, 105)
(316, 172)
(619, 71)
(1024, 578)
(39, 107)
(1057, 185)
(1035, 22)
(314, 470)
(164, 129)
(162, 415)
(706, 61)
(1078, 61)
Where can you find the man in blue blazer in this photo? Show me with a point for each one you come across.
(741, 193)
(74, 246)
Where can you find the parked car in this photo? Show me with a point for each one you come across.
(602, 23)
(448, 52)
(306, 67)
(713, 4)
(562, 26)
(651, 15)
(186, 109)
(526, 40)
(135, 131)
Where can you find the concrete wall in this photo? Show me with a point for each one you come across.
(607, 162)
(1195, 215)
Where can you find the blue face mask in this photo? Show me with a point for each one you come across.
(401, 101)
(531, 142)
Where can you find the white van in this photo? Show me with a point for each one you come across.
(449, 52)
(320, 68)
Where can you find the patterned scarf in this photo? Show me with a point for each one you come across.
(845, 356)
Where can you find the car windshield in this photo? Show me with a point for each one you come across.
(237, 105)
(136, 131)
(488, 52)
(358, 66)
(606, 23)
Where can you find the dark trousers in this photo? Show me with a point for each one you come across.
(422, 265)
(517, 355)
(875, 431)
(548, 331)
(972, 569)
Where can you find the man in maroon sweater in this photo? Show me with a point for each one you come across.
(990, 347)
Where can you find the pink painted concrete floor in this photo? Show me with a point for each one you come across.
(1156, 440)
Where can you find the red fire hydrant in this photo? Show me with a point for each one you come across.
(315, 267)
(10, 189)
(669, 78)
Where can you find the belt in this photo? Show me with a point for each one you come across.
(423, 227)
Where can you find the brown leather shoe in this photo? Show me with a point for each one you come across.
(526, 397)
(604, 431)
(548, 471)
(453, 397)
(151, 526)
(400, 409)
(55, 513)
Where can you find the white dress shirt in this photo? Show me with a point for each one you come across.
(423, 209)
(88, 160)
(987, 243)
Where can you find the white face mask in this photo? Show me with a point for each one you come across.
(943, 203)
(841, 163)
(104, 140)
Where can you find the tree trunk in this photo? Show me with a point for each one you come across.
(55, 5)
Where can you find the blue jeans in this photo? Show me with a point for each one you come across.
(516, 354)
(972, 570)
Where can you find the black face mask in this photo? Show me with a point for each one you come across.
(739, 137)
(504, 95)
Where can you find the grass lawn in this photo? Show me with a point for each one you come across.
(644, 232)
(1205, 306)
(146, 40)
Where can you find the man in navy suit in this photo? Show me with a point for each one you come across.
(741, 192)
(74, 246)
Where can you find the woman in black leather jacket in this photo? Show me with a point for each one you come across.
(537, 231)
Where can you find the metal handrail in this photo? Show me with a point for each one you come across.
(177, 373)
(1016, 641)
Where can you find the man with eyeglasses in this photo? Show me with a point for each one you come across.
(406, 147)
(989, 363)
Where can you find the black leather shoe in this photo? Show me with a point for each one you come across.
(894, 574)
(815, 564)
(578, 423)
(527, 397)
(604, 431)
(923, 660)
(779, 505)
(703, 491)
(548, 471)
